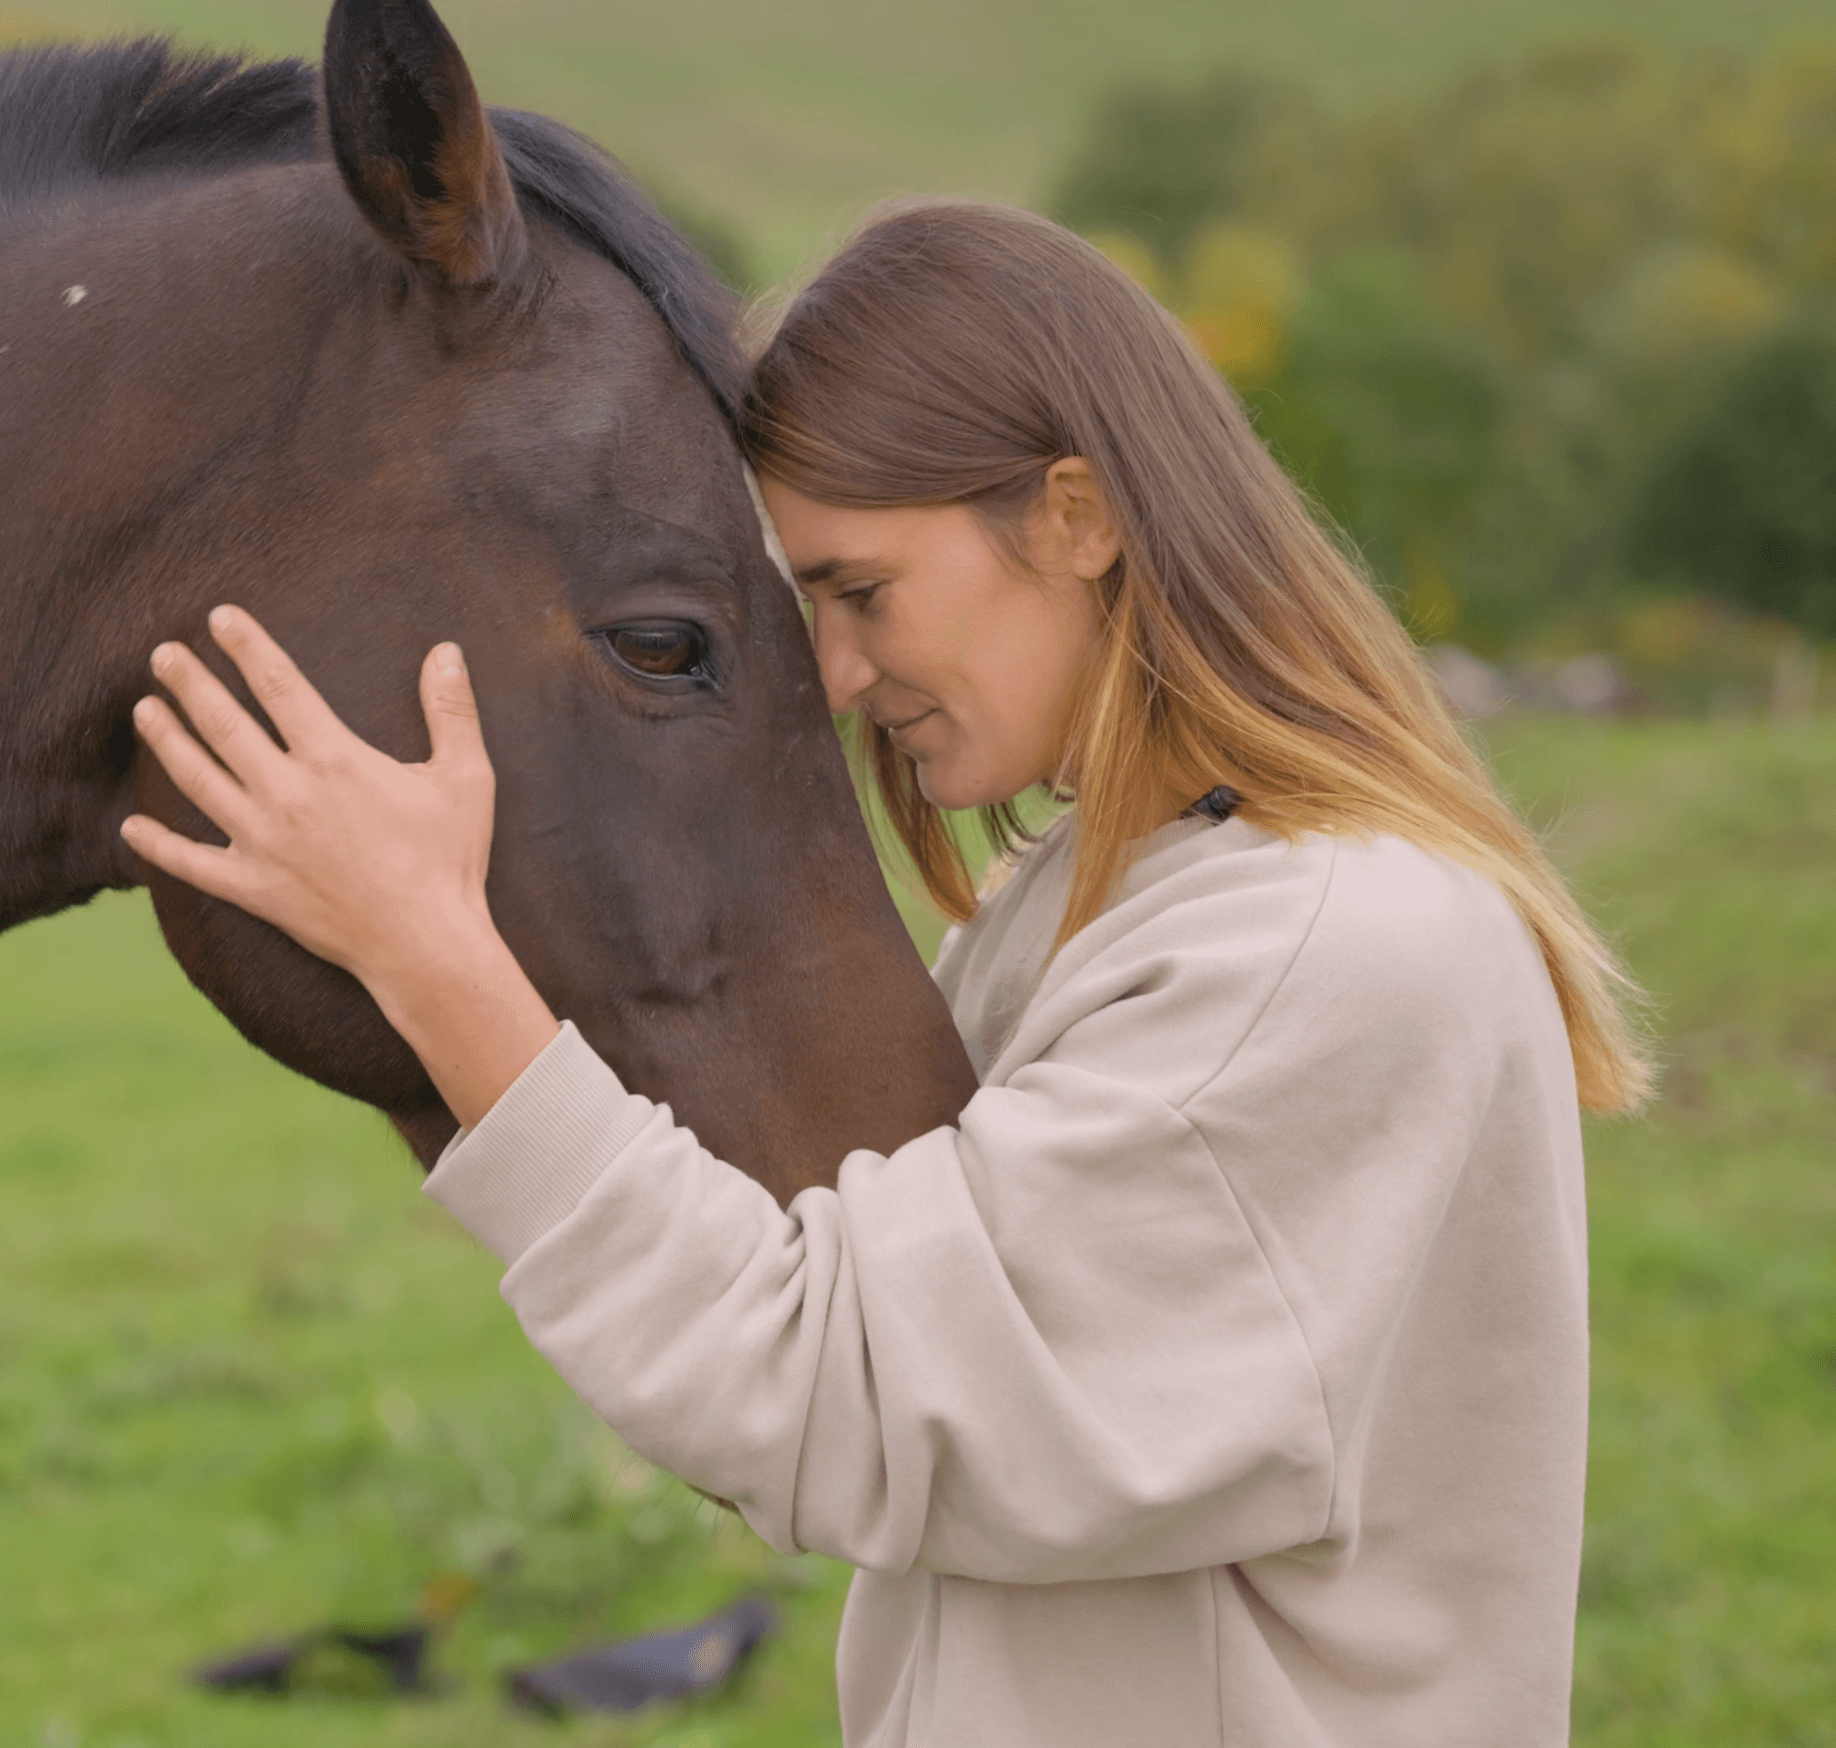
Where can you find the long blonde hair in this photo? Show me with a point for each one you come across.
(951, 353)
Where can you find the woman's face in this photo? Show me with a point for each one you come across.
(970, 661)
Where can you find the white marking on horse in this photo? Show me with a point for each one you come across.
(75, 296)
(774, 547)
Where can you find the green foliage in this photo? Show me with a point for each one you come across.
(1531, 193)
(1742, 501)
(1578, 244)
(1592, 187)
(1389, 413)
(1157, 163)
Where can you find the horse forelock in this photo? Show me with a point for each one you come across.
(102, 115)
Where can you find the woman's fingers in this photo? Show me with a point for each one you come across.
(195, 774)
(344, 848)
(307, 723)
(451, 708)
(211, 870)
(221, 723)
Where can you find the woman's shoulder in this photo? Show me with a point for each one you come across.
(1386, 890)
(1355, 933)
(1401, 921)
(1213, 925)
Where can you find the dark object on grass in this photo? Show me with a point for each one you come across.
(333, 1660)
(634, 1673)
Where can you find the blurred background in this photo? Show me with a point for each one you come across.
(1540, 303)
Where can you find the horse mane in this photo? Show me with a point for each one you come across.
(90, 116)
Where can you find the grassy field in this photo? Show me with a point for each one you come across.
(250, 1381)
(1711, 851)
(786, 120)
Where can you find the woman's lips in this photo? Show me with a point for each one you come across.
(895, 729)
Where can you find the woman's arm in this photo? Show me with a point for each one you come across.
(374, 865)
(1042, 1346)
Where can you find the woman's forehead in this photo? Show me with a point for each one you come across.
(828, 544)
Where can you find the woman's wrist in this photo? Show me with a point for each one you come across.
(468, 1010)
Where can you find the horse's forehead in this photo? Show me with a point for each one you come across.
(625, 391)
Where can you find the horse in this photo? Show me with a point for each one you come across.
(387, 367)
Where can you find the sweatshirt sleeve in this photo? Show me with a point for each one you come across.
(1043, 1345)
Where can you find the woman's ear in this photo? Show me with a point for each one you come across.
(1075, 528)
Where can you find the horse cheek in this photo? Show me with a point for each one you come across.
(309, 1015)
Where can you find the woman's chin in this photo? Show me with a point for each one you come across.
(955, 790)
(944, 788)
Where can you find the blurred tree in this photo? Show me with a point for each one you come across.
(1576, 245)
(1742, 500)
(1392, 416)
(1596, 182)
(1679, 302)
(1236, 293)
(1526, 195)
(1766, 150)
(1156, 162)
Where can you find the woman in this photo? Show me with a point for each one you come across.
(1221, 1378)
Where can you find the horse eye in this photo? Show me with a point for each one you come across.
(661, 651)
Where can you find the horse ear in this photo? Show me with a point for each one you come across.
(414, 144)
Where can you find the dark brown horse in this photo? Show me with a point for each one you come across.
(388, 369)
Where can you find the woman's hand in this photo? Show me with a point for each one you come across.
(363, 860)
(374, 865)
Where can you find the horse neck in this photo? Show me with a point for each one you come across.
(137, 374)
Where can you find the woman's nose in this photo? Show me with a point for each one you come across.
(846, 670)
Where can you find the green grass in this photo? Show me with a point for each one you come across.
(1712, 1540)
(249, 1380)
(787, 120)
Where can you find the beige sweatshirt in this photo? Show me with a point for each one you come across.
(1220, 1379)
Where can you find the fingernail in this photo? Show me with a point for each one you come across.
(162, 658)
(143, 712)
(221, 619)
(449, 659)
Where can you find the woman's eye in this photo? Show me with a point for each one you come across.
(667, 650)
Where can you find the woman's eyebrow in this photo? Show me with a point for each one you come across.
(833, 570)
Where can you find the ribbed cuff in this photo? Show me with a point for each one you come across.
(539, 1149)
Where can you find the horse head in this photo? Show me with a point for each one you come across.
(387, 368)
